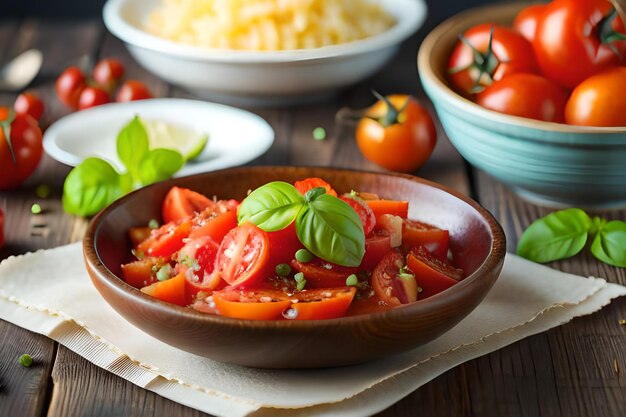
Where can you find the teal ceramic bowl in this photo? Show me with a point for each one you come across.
(548, 163)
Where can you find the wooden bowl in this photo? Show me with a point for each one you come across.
(476, 239)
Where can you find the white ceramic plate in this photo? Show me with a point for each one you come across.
(235, 136)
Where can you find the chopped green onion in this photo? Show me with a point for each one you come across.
(283, 270)
(35, 209)
(164, 272)
(299, 277)
(153, 224)
(319, 133)
(352, 281)
(300, 285)
(26, 360)
(405, 273)
(42, 191)
(304, 256)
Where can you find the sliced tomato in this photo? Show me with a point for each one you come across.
(243, 256)
(142, 273)
(166, 240)
(213, 225)
(138, 234)
(432, 274)
(389, 282)
(321, 274)
(376, 246)
(251, 304)
(391, 225)
(180, 203)
(397, 208)
(283, 245)
(323, 303)
(415, 233)
(198, 258)
(308, 184)
(368, 219)
(171, 290)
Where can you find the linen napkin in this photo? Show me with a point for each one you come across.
(49, 292)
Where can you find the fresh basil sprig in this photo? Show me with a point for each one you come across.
(565, 233)
(328, 227)
(94, 183)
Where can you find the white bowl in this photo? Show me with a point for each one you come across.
(260, 77)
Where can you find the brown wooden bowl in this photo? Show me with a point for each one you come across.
(476, 240)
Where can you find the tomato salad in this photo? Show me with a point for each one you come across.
(288, 251)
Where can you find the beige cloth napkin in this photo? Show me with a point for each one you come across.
(49, 292)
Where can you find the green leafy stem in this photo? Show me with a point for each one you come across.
(565, 233)
(327, 226)
(95, 183)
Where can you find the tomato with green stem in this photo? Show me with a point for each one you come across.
(20, 147)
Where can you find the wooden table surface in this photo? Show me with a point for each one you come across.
(577, 369)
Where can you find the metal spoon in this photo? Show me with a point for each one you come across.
(21, 70)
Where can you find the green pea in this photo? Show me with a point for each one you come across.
(352, 281)
(303, 255)
(283, 270)
(26, 360)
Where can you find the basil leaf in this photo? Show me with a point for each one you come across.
(132, 147)
(609, 246)
(556, 236)
(272, 206)
(159, 164)
(91, 186)
(330, 229)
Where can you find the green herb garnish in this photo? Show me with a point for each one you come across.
(300, 281)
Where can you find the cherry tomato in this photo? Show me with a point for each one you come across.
(415, 234)
(69, 85)
(166, 240)
(29, 103)
(525, 95)
(92, 97)
(310, 183)
(198, 256)
(322, 274)
(397, 133)
(108, 72)
(391, 283)
(171, 290)
(322, 304)
(142, 273)
(1, 228)
(599, 100)
(433, 275)
(133, 90)
(25, 141)
(216, 225)
(365, 213)
(395, 207)
(138, 234)
(180, 203)
(243, 256)
(510, 53)
(376, 246)
(251, 304)
(527, 20)
(573, 42)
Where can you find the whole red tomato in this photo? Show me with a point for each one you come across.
(108, 72)
(599, 100)
(527, 20)
(91, 97)
(29, 103)
(133, 90)
(397, 133)
(70, 85)
(25, 143)
(525, 95)
(575, 40)
(486, 53)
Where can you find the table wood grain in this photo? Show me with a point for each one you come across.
(577, 369)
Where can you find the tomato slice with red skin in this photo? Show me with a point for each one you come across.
(214, 225)
(323, 303)
(395, 207)
(432, 274)
(308, 184)
(365, 213)
(139, 234)
(416, 233)
(171, 290)
(142, 273)
(166, 240)
(384, 278)
(376, 246)
(251, 304)
(198, 257)
(180, 203)
(283, 245)
(322, 274)
(243, 256)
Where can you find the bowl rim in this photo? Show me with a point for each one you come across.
(493, 260)
(427, 74)
(407, 23)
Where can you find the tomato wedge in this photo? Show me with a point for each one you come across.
(308, 184)
(165, 240)
(322, 274)
(198, 256)
(416, 234)
(390, 283)
(365, 213)
(397, 208)
(213, 225)
(180, 203)
(243, 255)
(171, 290)
(376, 246)
(323, 303)
(432, 274)
(251, 304)
(142, 272)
